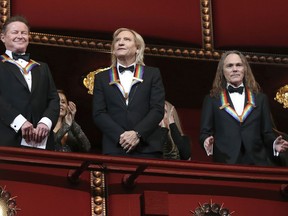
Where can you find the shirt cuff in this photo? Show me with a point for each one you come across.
(18, 122)
(47, 122)
(276, 154)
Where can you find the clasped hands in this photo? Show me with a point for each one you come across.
(129, 140)
(37, 135)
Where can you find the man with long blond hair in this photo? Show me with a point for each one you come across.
(236, 125)
(128, 100)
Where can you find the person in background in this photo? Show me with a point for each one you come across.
(128, 100)
(69, 136)
(236, 126)
(29, 103)
(176, 145)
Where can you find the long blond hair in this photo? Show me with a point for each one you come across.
(140, 44)
(219, 83)
(176, 117)
(170, 149)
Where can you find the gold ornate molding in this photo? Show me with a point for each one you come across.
(70, 42)
(7, 203)
(211, 209)
(98, 198)
(282, 96)
(88, 81)
(4, 10)
(206, 53)
(207, 26)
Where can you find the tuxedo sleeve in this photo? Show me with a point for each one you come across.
(206, 128)
(7, 113)
(53, 108)
(157, 99)
(266, 126)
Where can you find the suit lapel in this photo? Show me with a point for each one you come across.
(227, 105)
(114, 80)
(17, 73)
(250, 104)
(18, 70)
(35, 78)
(138, 78)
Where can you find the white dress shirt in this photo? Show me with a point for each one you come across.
(237, 99)
(126, 78)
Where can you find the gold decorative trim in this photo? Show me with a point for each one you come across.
(98, 194)
(7, 203)
(207, 52)
(207, 26)
(70, 42)
(4, 10)
(88, 81)
(211, 209)
(104, 46)
(282, 96)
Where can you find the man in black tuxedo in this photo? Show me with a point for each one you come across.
(128, 100)
(29, 103)
(236, 125)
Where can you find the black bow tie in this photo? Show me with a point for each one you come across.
(121, 69)
(239, 90)
(17, 56)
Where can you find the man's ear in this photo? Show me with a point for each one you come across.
(2, 37)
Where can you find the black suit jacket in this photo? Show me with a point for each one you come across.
(251, 134)
(15, 99)
(142, 114)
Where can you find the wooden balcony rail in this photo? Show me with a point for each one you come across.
(80, 162)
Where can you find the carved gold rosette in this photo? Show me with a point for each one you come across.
(282, 96)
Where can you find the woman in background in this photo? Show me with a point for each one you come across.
(68, 135)
(177, 145)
